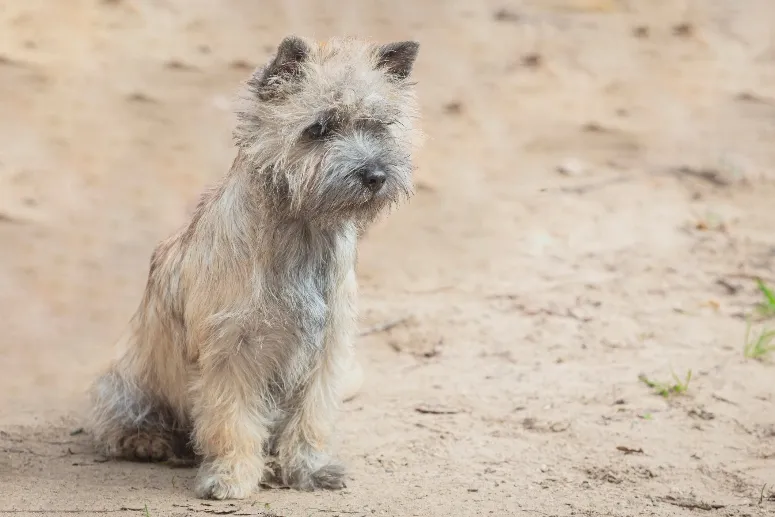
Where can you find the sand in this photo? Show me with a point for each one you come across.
(595, 198)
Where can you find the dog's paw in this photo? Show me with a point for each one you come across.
(143, 446)
(330, 476)
(221, 487)
(220, 483)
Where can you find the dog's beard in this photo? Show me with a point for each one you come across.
(361, 205)
(326, 195)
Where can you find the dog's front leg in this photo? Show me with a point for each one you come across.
(229, 415)
(303, 439)
(302, 442)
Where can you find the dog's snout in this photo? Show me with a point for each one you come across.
(372, 177)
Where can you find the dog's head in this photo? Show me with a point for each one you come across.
(328, 127)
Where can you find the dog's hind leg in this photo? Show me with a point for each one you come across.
(130, 423)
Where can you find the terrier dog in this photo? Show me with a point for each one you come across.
(236, 354)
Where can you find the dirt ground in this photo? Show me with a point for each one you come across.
(595, 197)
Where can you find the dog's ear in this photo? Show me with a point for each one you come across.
(291, 53)
(286, 65)
(397, 59)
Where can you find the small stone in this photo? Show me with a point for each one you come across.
(532, 60)
(504, 15)
(453, 108)
(641, 31)
(683, 30)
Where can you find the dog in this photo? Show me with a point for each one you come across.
(236, 355)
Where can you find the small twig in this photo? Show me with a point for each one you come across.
(376, 329)
(742, 426)
(731, 289)
(57, 442)
(749, 276)
(690, 503)
(710, 175)
(751, 97)
(28, 451)
(701, 413)
(331, 511)
(436, 410)
(181, 463)
(232, 510)
(15, 450)
(722, 399)
(570, 312)
(262, 514)
(431, 428)
(629, 450)
(395, 346)
(502, 296)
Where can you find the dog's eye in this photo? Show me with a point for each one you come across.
(373, 124)
(318, 130)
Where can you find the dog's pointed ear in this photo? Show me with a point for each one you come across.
(397, 59)
(291, 53)
(287, 64)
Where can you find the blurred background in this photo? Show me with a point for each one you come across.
(594, 200)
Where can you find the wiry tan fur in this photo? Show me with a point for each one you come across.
(235, 355)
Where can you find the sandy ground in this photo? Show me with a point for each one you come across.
(595, 195)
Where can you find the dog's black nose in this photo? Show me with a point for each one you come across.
(373, 178)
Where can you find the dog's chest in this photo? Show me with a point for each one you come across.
(297, 292)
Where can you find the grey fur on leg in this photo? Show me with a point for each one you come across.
(132, 425)
(240, 347)
(330, 477)
(325, 473)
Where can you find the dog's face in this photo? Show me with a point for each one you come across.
(330, 127)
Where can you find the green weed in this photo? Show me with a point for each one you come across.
(767, 307)
(666, 389)
(759, 347)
